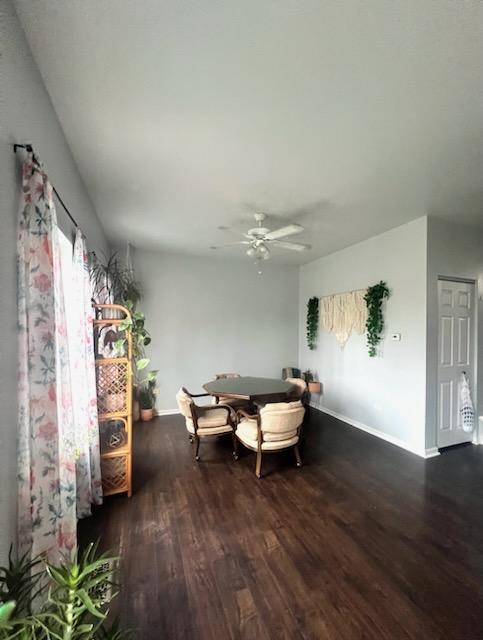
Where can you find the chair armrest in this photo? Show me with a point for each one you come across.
(252, 416)
(200, 395)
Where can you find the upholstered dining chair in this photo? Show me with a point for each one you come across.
(277, 426)
(223, 376)
(300, 391)
(235, 403)
(206, 420)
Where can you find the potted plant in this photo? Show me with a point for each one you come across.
(112, 281)
(140, 340)
(312, 384)
(67, 600)
(147, 396)
(375, 320)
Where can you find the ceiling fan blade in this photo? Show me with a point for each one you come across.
(283, 232)
(230, 244)
(292, 246)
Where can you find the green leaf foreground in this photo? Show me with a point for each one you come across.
(142, 364)
(72, 601)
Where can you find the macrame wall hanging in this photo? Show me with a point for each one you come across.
(343, 313)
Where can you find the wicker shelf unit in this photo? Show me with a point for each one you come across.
(114, 399)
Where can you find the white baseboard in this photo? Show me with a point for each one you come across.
(423, 453)
(166, 412)
(432, 452)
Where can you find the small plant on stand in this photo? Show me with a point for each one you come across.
(140, 339)
(147, 392)
(312, 384)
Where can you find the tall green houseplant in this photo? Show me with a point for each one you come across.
(312, 322)
(375, 320)
(113, 281)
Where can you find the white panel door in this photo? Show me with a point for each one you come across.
(455, 354)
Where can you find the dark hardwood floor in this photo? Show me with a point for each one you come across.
(365, 541)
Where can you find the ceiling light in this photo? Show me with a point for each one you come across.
(258, 240)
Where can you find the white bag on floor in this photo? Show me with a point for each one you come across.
(467, 412)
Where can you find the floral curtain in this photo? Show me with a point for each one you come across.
(46, 442)
(88, 471)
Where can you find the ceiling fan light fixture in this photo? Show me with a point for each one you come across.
(258, 240)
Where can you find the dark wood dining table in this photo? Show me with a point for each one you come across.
(248, 388)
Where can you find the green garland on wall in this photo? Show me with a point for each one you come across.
(312, 322)
(375, 320)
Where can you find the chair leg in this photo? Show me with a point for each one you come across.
(297, 455)
(235, 446)
(258, 468)
(190, 437)
(197, 448)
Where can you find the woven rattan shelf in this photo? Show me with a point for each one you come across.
(117, 452)
(114, 398)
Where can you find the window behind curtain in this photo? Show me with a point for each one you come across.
(66, 250)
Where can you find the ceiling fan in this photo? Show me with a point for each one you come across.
(260, 239)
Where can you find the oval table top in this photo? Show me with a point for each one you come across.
(248, 388)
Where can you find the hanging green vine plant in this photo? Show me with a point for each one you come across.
(375, 321)
(312, 322)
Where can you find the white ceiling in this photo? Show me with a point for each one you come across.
(347, 116)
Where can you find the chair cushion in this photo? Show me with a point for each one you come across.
(247, 434)
(210, 421)
(247, 429)
(208, 431)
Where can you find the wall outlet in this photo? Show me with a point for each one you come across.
(396, 336)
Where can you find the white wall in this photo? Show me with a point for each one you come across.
(385, 394)
(26, 115)
(453, 251)
(210, 315)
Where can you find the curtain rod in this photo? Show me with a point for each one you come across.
(29, 148)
